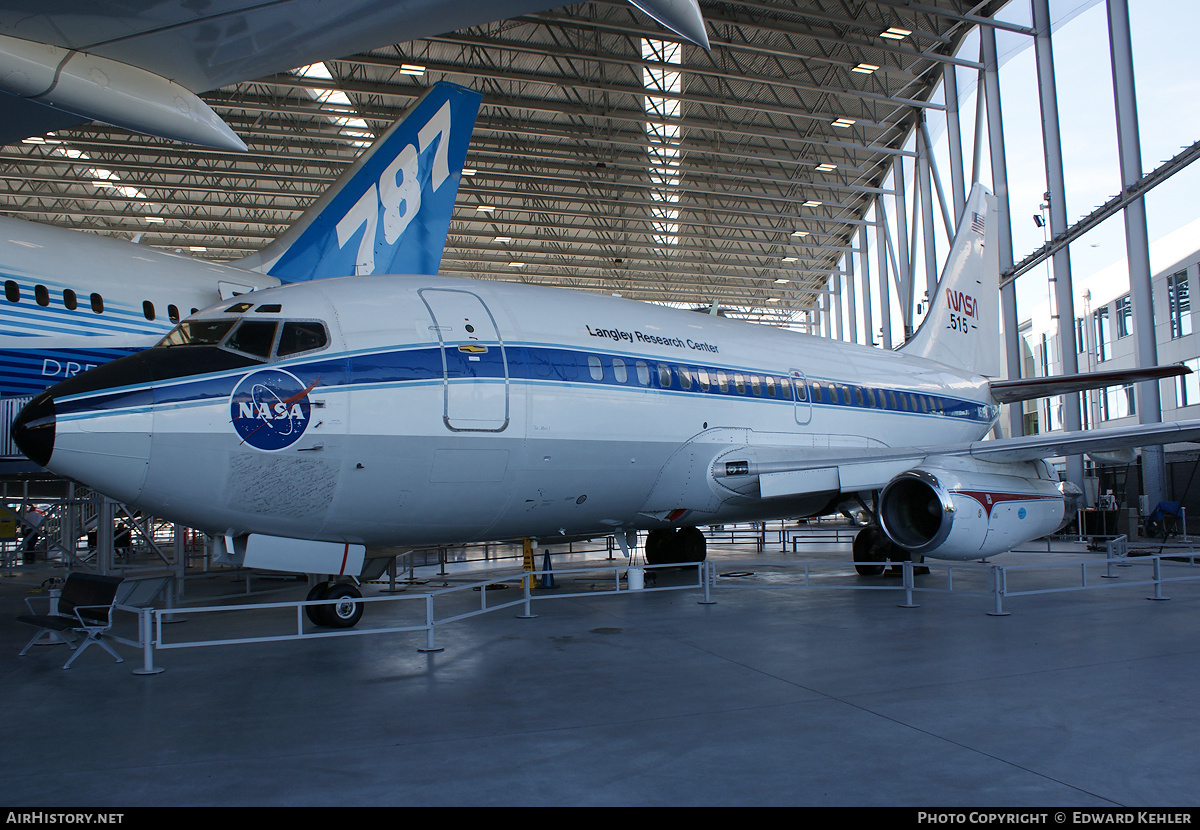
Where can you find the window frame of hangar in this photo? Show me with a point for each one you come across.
(1179, 304)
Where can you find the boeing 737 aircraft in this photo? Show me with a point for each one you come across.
(73, 301)
(309, 424)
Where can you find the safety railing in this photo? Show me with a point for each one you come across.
(426, 611)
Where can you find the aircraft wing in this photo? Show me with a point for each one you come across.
(870, 469)
(129, 64)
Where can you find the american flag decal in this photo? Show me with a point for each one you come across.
(976, 222)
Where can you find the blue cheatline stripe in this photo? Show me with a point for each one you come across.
(549, 365)
(29, 371)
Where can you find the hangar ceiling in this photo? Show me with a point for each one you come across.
(607, 156)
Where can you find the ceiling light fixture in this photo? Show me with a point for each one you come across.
(896, 33)
(865, 68)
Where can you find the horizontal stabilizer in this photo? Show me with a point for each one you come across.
(1024, 389)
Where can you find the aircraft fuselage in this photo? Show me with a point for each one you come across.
(442, 411)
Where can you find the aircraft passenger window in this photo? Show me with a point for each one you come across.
(197, 333)
(858, 395)
(722, 381)
(785, 389)
(97, 303)
(148, 309)
(12, 291)
(754, 385)
(739, 383)
(703, 375)
(253, 337)
(801, 391)
(70, 300)
(664, 376)
(770, 386)
(41, 294)
(619, 370)
(891, 399)
(846, 395)
(816, 393)
(595, 367)
(685, 378)
(173, 313)
(643, 373)
(301, 337)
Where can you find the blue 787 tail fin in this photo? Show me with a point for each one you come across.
(389, 212)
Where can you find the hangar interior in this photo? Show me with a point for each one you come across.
(807, 171)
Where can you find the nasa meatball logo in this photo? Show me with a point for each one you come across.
(270, 409)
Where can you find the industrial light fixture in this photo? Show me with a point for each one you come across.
(825, 167)
(865, 68)
(812, 203)
(843, 122)
(896, 33)
(155, 220)
(800, 234)
(484, 208)
(782, 281)
(502, 239)
(787, 259)
(772, 299)
(197, 249)
(412, 69)
(516, 264)
(469, 171)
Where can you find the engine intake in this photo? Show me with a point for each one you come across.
(916, 511)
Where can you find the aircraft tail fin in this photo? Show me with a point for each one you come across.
(962, 328)
(390, 211)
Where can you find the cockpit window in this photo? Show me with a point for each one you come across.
(301, 337)
(253, 337)
(197, 333)
(238, 308)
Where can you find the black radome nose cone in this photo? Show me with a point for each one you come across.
(33, 429)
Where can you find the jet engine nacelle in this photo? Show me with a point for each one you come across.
(976, 511)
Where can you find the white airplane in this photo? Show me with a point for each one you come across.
(140, 65)
(72, 301)
(311, 424)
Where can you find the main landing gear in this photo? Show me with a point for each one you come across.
(675, 544)
(873, 550)
(344, 613)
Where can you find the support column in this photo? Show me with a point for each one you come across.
(881, 256)
(990, 83)
(868, 324)
(904, 266)
(958, 191)
(925, 182)
(851, 297)
(1056, 187)
(1137, 244)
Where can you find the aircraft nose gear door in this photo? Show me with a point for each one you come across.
(474, 365)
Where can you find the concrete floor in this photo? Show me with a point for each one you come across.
(771, 696)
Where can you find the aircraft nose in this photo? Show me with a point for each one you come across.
(33, 429)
